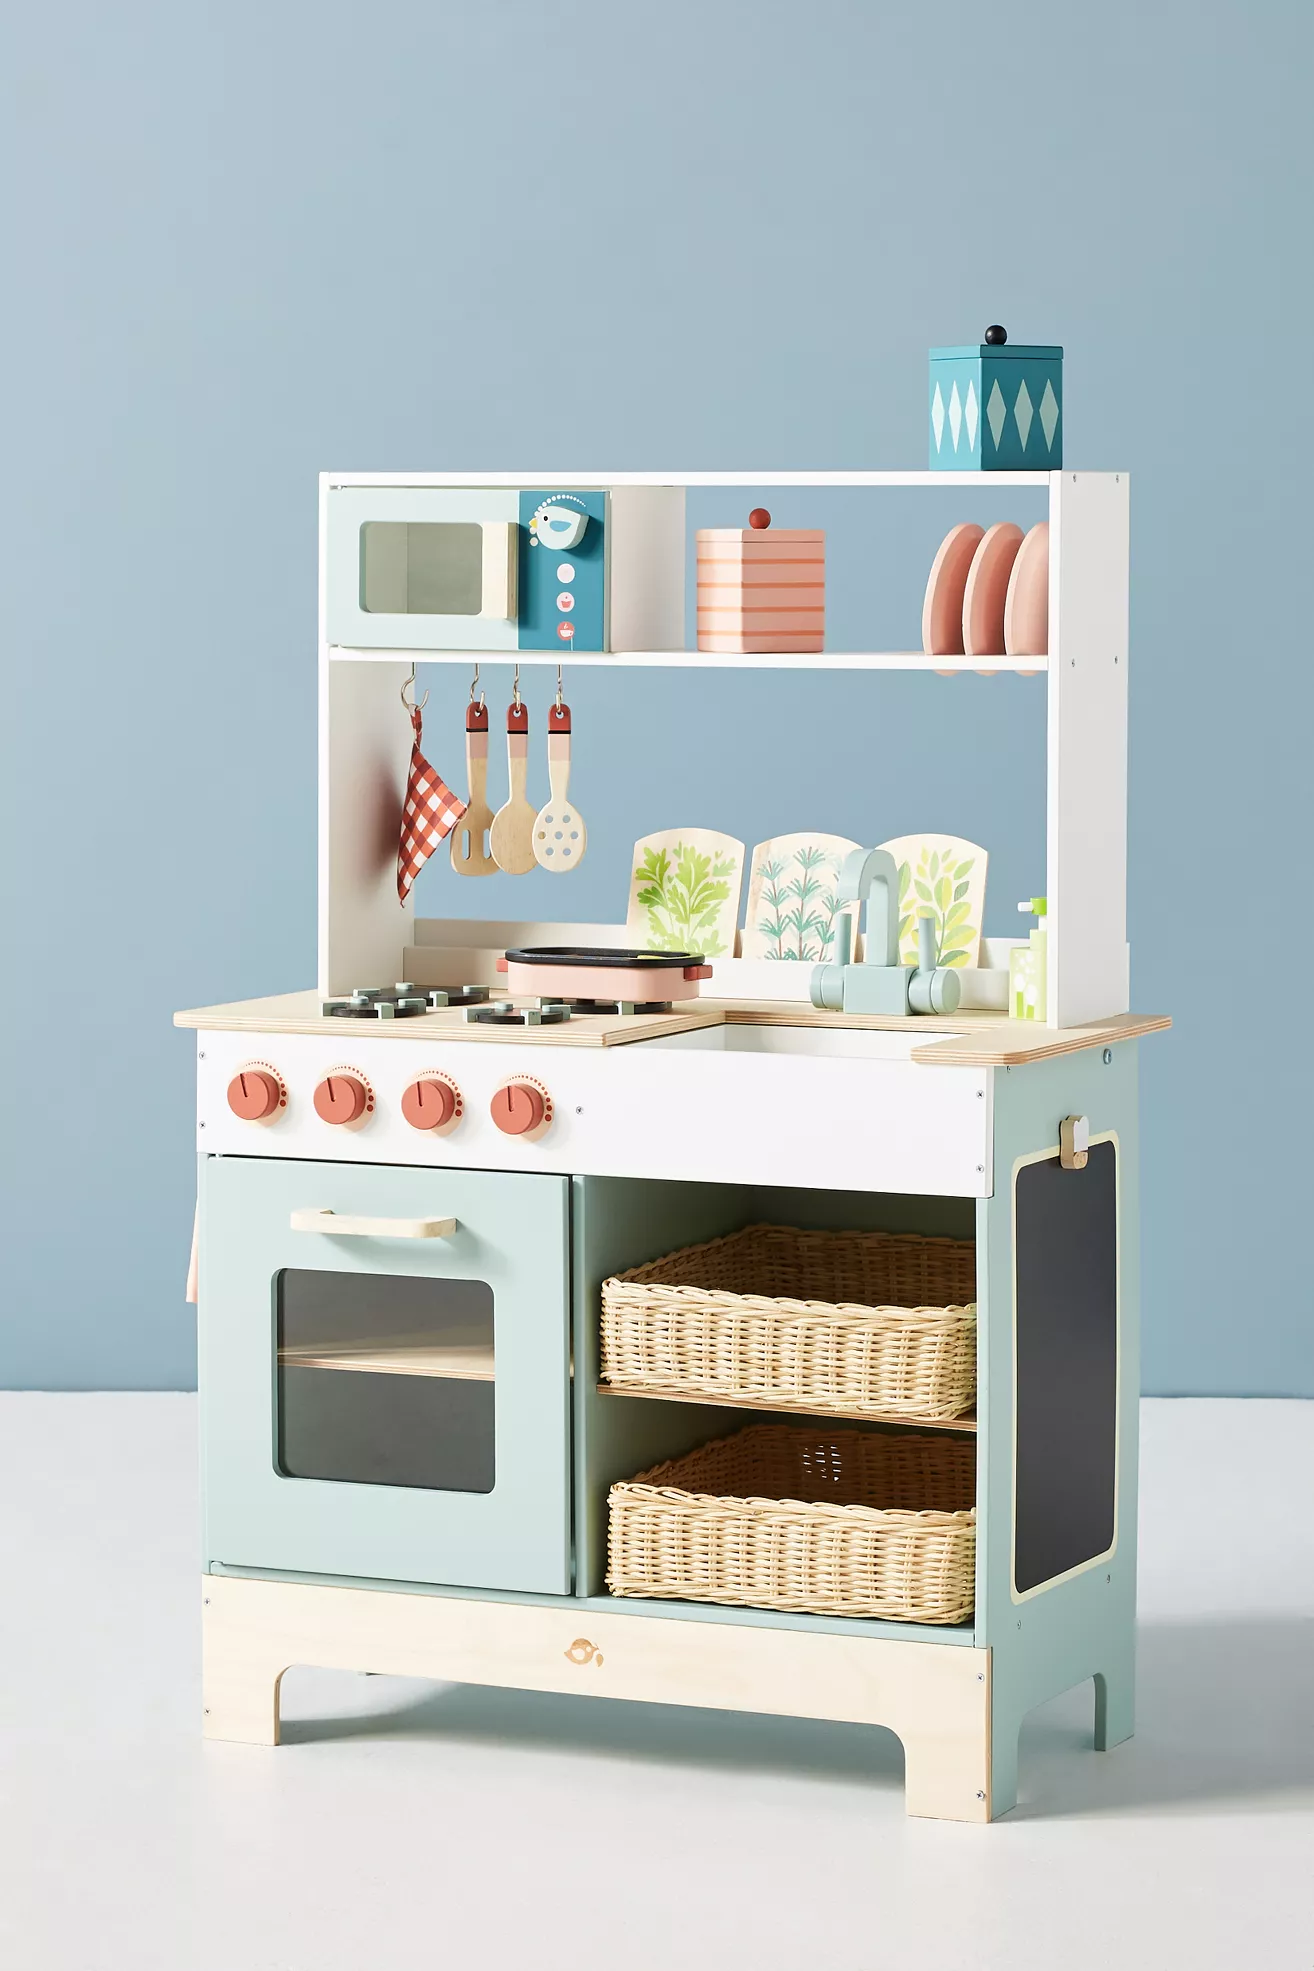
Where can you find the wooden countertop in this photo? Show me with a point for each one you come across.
(968, 1040)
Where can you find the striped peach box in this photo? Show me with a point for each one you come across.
(761, 588)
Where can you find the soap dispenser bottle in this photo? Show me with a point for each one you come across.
(1027, 966)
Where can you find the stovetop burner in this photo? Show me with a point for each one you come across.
(403, 1001)
(504, 1013)
(624, 1007)
(553, 1012)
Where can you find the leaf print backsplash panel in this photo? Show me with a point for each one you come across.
(942, 877)
(792, 884)
(684, 891)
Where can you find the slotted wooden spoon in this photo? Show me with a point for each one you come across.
(470, 855)
(560, 837)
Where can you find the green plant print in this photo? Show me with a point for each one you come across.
(798, 903)
(938, 889)
(682, 893)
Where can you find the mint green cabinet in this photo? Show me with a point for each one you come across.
(380, 1404)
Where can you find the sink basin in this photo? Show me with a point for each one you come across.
(818, 1043)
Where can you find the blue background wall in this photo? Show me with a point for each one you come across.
(248, 241)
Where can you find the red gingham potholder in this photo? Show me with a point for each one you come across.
(430, 811)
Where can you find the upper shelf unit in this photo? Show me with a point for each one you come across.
(705, 660)
(593, 569)
(763, 477)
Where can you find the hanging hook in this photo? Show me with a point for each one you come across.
(558, 687)
(515, 689)
(409, 703)
(474, 686)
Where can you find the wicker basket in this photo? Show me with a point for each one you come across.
(842, 1522)
(840, 1323)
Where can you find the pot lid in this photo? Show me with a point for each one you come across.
(603, 955)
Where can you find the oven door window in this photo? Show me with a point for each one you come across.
(385, 1380)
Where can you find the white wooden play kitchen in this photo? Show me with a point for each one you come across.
(590, 1315)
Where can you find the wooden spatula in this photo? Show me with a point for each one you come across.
(470, 855)
(511, 837)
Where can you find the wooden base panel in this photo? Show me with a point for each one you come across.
(936, 1700)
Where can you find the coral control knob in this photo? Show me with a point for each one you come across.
(429, 1103)
(254, 1094)
(340, 1098)
(519, 1107)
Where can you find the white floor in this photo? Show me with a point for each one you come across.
(403, 1824)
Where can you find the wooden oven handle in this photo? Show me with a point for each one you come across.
(343, 1223)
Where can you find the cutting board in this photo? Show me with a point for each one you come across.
(792, 883)
(684, 892)
(946, 876)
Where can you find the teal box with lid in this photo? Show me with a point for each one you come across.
(996, 406)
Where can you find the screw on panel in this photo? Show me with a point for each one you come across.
(1108, 1057)
(981, 1169)
(200, 1057)
(980, 1793)
(200, 1125)
(980, 1676)
(980, 1094)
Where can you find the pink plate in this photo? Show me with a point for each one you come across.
(942, 611)
(1026, 606)
(987, 590)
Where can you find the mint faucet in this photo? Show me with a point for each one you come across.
(880, 984)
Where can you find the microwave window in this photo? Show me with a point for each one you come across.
(421, 568)
(385, 1380)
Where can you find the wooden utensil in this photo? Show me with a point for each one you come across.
(560, 837)
(470, 855)
(511, 837)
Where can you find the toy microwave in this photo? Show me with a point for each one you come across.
(503, 568)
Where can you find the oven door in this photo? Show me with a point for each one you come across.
(386, 1396)
(417, 569)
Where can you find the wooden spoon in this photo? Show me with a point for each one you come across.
(560, 837)
(511, 837)
(470, 857)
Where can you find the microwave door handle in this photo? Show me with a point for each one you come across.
(340, 1224)
(500, 555)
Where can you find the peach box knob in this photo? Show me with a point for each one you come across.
(254, 1094)
(518, 1107)
(340, 1098)
(429, 1103)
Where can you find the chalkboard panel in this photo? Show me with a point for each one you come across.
(1066, 1262)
